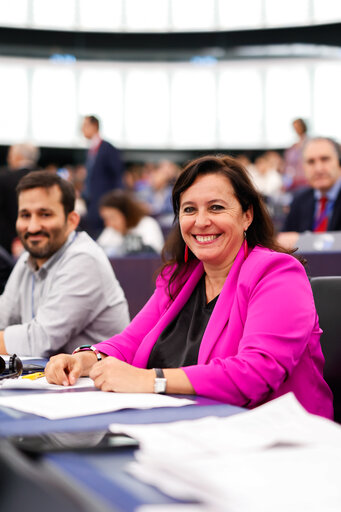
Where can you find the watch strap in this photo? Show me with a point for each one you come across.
(85, 348)
(159, 373)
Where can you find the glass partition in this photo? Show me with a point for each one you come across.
(240, 104)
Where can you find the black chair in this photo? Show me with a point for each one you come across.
(327, 296)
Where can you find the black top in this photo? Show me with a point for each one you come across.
(178, 344)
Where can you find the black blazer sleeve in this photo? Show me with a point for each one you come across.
(301, 215)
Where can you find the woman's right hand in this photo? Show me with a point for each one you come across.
(65, 369)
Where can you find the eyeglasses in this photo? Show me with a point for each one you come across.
(15, 367)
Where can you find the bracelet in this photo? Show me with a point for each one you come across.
(85, 348)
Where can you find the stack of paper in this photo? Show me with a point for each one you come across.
(274, 458)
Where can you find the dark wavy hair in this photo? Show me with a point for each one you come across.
(260, 232)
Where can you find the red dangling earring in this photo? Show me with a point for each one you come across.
(246, 249)
(186, 254)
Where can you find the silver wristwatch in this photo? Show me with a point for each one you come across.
(160, 381)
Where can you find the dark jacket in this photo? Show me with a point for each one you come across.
(104, 173)
(302, 210)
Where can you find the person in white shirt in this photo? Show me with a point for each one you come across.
(128, 229)
(62, 292)
(265, 176)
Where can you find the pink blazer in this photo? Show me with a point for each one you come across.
(262, 340)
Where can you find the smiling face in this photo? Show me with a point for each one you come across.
(212, 222)
(321, 164)
(41, 224)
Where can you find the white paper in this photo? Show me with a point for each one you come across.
(41, 383)
(276, 457)
(73, 403)
(296, 479)
(281, 421)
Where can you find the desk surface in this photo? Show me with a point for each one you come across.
(18, 423)
(103, 473)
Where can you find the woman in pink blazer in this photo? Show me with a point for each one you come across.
(232, 317)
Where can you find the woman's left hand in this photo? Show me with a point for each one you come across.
(111, 374)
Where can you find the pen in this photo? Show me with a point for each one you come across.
(34, 376)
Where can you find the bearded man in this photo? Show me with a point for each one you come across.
(62, 292)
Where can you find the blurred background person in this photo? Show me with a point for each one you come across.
(21, 159)
(293, 169)
(128, 228)
(275, 160)
(162, 179)
(77, 176)
(243, 159)
(151, 184)
(316, 208)
(265, 175)
(137, 180)
(104, 168)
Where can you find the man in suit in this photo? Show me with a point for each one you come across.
(104, 172)
(317, 208)
(21, 159)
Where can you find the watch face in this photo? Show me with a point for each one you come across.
(160, 385)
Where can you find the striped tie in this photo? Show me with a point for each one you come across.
(321, 223)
